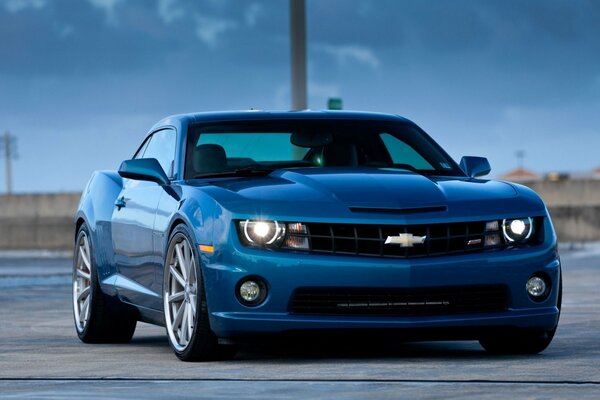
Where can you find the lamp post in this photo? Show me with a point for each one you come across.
(298, 53)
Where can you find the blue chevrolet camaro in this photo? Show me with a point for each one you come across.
(229, 226)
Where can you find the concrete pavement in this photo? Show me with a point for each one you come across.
(41, 357)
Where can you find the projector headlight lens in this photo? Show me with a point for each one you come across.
(517, 230)
(261, 233)
(274, 234)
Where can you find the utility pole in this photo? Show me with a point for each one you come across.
(298, 53)
(8, 150)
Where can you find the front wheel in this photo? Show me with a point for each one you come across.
(522, 342)
(185, 308)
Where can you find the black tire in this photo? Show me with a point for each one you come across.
(520, 341)
(203, 344)
(104, 325)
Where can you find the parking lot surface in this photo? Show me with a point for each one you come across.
(41, 357)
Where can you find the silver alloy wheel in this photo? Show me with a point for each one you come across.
(180, 292)
(82, 283)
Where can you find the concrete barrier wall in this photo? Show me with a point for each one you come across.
(574, 206)
(577, 223)
(45, 221)
(568, 193)
(37, 221)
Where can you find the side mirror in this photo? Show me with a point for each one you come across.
(144, 169)
(475, 166)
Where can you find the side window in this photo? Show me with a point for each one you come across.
(403, 153)
(142, 149)
(162, 147)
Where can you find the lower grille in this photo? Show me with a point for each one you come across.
(393, 301)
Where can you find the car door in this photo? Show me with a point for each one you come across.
(133, 224)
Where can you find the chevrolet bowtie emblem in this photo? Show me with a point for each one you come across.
(405, 240)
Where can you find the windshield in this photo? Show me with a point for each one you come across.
(261, 146)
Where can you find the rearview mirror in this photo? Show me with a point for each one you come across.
(475, 166)
(144, 169)
(311, 139)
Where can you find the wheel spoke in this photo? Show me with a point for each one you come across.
(189, 258)
(83, 311)
(181, 259)
(84, 293)
(84, 257)
(176, 297)
(177, 277)
(193, 305)
(190, 324)
(83, 275)
(192, 273)
(183, 338)
(178, 318)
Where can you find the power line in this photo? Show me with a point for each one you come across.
(8, 150)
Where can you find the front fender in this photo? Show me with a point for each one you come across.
(95, 208)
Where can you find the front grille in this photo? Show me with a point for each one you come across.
(369, 240)
(415, 302)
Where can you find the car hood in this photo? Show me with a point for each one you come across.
(355, 191)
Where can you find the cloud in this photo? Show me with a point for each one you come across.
(63, 30)
(253, 13)
(170, 10)
(318, 89)
(108, 6)
(14, 6)
(209, 28)
(346, 53)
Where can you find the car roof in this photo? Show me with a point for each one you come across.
(253, 115)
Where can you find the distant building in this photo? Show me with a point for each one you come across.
(521, 175)
(596, 173)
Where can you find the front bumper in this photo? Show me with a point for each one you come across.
(284, 272)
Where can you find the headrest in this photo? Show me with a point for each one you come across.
(209, 158)
(340, 154)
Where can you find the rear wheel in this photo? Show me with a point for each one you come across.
(521, 341)
(185, 308)
(94, 321)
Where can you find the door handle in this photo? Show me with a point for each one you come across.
(120, 203)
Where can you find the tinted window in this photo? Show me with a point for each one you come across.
(402, 153)
(257, 146)
(142, 149)
(162, 147)
(274, 144)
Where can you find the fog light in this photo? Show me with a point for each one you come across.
(252, 291)
(249, 291)
(536, 287)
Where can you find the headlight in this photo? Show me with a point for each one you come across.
(517, 230)
(261, 233)
(492, 234)
(270, 234)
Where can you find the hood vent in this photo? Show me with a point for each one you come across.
(398, 211)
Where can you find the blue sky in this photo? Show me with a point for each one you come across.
(81, 81)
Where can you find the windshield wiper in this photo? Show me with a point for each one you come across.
(245, 171)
